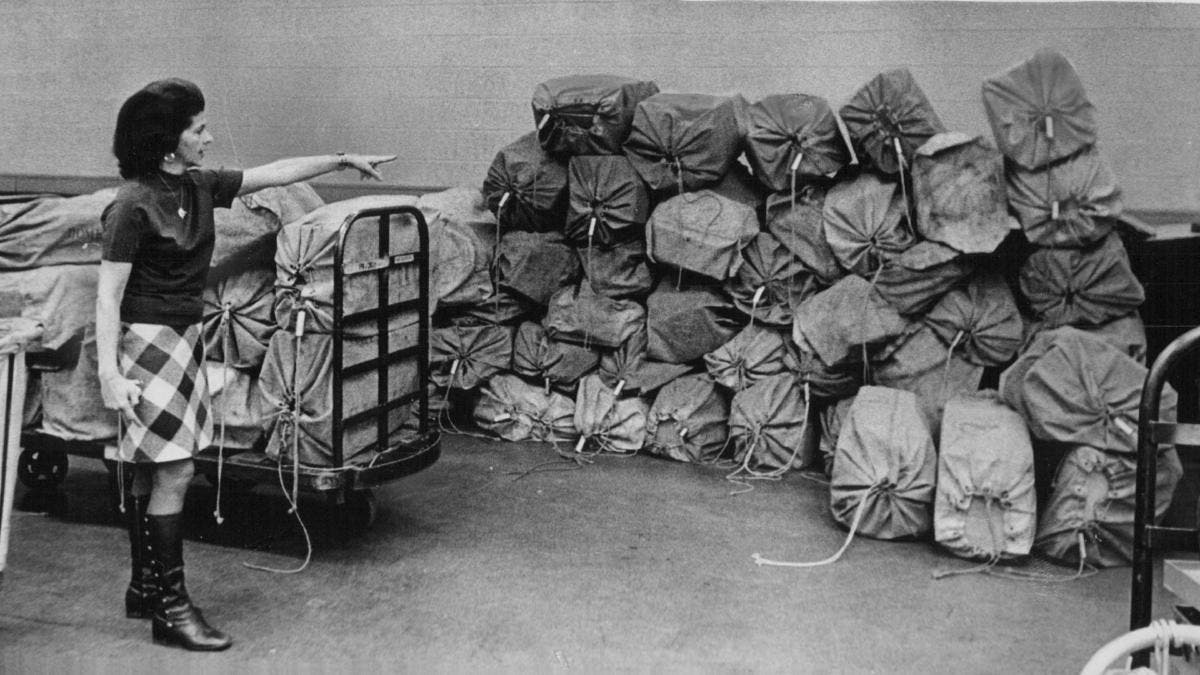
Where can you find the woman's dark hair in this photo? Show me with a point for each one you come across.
(150, 122)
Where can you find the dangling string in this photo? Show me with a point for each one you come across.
(754, 305)
(744, 472)
(858, 515)
(120, 461)
(226, 345)
(908, 215)
(293, 497)
(949, 359)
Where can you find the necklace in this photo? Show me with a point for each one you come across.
(178, 197)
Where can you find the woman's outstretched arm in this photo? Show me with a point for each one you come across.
(293, 169)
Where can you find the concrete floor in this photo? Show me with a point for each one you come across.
(628, 563)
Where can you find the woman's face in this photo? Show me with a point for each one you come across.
(193, 141)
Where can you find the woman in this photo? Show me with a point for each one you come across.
(158, 243)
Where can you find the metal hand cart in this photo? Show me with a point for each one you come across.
(347, 484)
(1147, 536)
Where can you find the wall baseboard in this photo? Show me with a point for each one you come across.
(78, 185)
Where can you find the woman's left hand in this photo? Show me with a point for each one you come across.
(365, 164)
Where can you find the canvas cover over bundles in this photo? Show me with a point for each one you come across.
(237, 323)
(52, 230)
(1090, 512)
(305, 258)
(62, 298)
(526, 188)
(1081, 286)
(684, 142)
(462, 357)
(986, 505)
(884, 466)
(792, 139)
(865, 224)
(1039, 111)
(607, 422)
(578, 314)
(689, 421)
(72, 407)
(587, 114)
(914, 281)
(770, 282)
(541, 358)
(799, 225)
(890, 117)
(1075, 388)
(683, 324)
(960, 192)
(768, 424)
(535, 266)
(1067, 205)
(608, 201)
(297, 381)
(517, 411)
(701, 232)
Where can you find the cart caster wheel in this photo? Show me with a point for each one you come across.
(360, 510)
(41, 470)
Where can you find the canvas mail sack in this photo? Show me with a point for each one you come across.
(889, 117)
(1039, 111)
(515, 410)
(608, 203)
(689, 421)
(587, 114)
(1089, 517)
(1076, 388)
(701, 232)
(986, 505)
(884, 467)
(607, 422)
(684, 142)
(1081, 286)
(526, 188)
(237, 325)
(959, 188)
(793, 139)
(865, 224)
(1070, 204)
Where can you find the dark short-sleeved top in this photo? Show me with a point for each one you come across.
(170, 253)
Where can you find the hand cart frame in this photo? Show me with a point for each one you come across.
(44, 463)
(1147, 536)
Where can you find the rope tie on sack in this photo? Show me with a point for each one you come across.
(744, 472)
(994, 554)
(949, 360)
(859, 511)
(900, 161)
(792, 171)
(865, 306)
(290, 412)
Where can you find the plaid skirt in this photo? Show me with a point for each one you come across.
(173, 421)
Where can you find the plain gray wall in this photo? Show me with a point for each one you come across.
(445, 84)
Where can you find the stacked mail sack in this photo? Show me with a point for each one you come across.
(1078, 378)
(745, 269)
(238, 323)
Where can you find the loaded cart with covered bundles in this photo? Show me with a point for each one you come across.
(316, 353)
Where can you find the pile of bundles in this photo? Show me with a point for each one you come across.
(50, 251)
(778, 285)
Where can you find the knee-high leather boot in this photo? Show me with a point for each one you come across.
(176, 621)
(142, 595)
